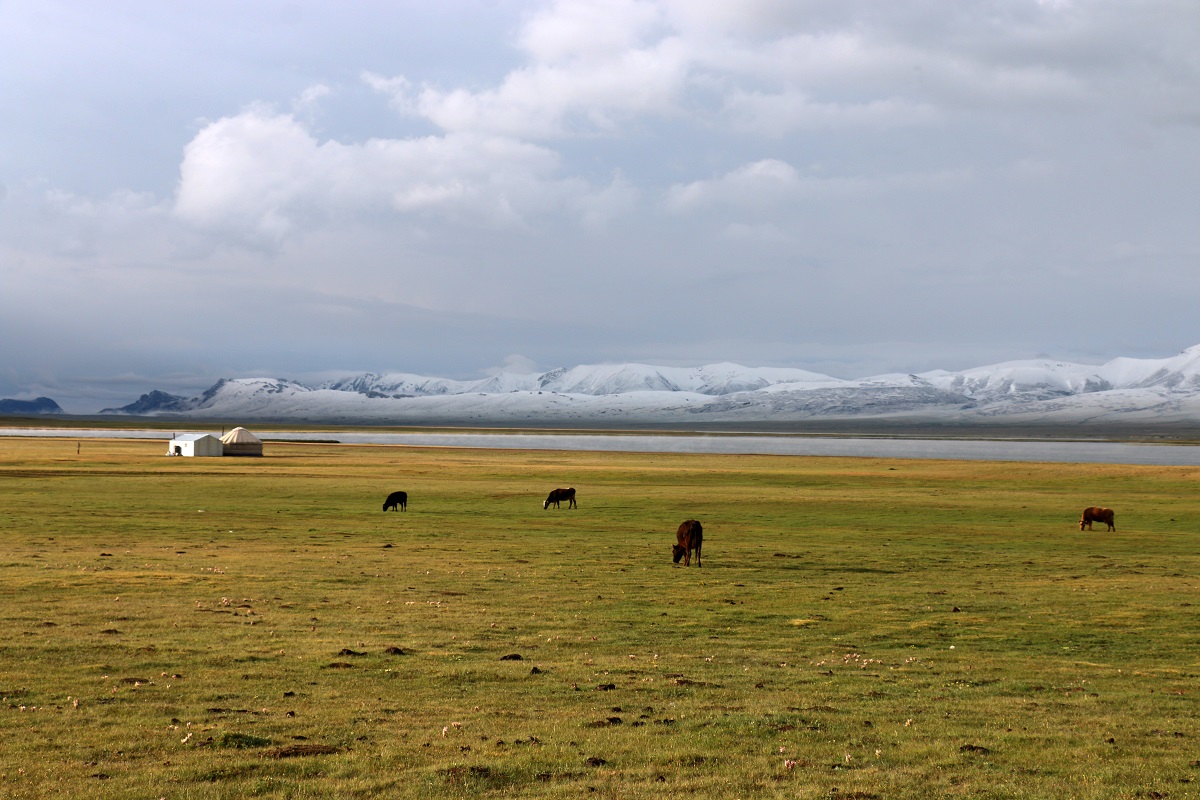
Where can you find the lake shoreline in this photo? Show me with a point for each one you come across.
(1181, 433)
(1041, 450)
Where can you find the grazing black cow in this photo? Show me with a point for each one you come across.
(690, 537)
(1097, 514)
(397, 501)
(559, 495)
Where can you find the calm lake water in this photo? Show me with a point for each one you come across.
(962, 449)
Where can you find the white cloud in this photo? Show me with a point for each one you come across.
(600, 208)
(762, 183)
(588, 31)
(783, 113)
(774, 185)
(515, 364)
(767, 67)
(247, 173)
(550, 100)
(310, 98)
(264, 175)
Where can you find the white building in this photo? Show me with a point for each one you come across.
(195, 444)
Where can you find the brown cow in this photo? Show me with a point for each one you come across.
(558, 495)
(1096, 514)
(690, 537)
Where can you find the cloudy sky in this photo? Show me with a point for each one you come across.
(291, 189)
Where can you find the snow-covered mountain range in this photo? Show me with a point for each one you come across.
(1035, 391)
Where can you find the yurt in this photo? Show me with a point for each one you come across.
(241, 442)
(195, 444)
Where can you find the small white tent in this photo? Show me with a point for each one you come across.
(195, 444)
(241, 442)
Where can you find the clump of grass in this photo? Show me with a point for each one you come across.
(240, 741)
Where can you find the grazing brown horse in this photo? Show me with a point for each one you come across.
(559, 495)
(397, 501)
(690, 537)
(1097, 514)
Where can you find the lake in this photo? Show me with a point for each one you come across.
(955, 449)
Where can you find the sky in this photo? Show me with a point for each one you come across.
(302, 189)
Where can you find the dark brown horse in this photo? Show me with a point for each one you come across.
(690, 537)
(1097, 514)
(397, 501)
(557, 496)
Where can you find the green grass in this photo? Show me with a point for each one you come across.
(198, 628)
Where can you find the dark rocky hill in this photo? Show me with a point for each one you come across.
(42, 405)
(154, 402)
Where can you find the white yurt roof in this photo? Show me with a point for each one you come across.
(240, 436)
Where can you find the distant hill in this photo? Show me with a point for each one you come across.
(42, 405)
(1124, 390)
(151, 403)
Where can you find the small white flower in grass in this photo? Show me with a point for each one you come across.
(445, 730)
(790, 764)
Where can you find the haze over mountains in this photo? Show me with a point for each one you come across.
(1034, 391)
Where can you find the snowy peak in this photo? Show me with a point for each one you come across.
(1040, 380)
(594, 380)
(614, 379)
(1178, 372)
(1019, 390)
(397, 385)
(713, 379)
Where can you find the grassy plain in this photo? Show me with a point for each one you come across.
(861, 628)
